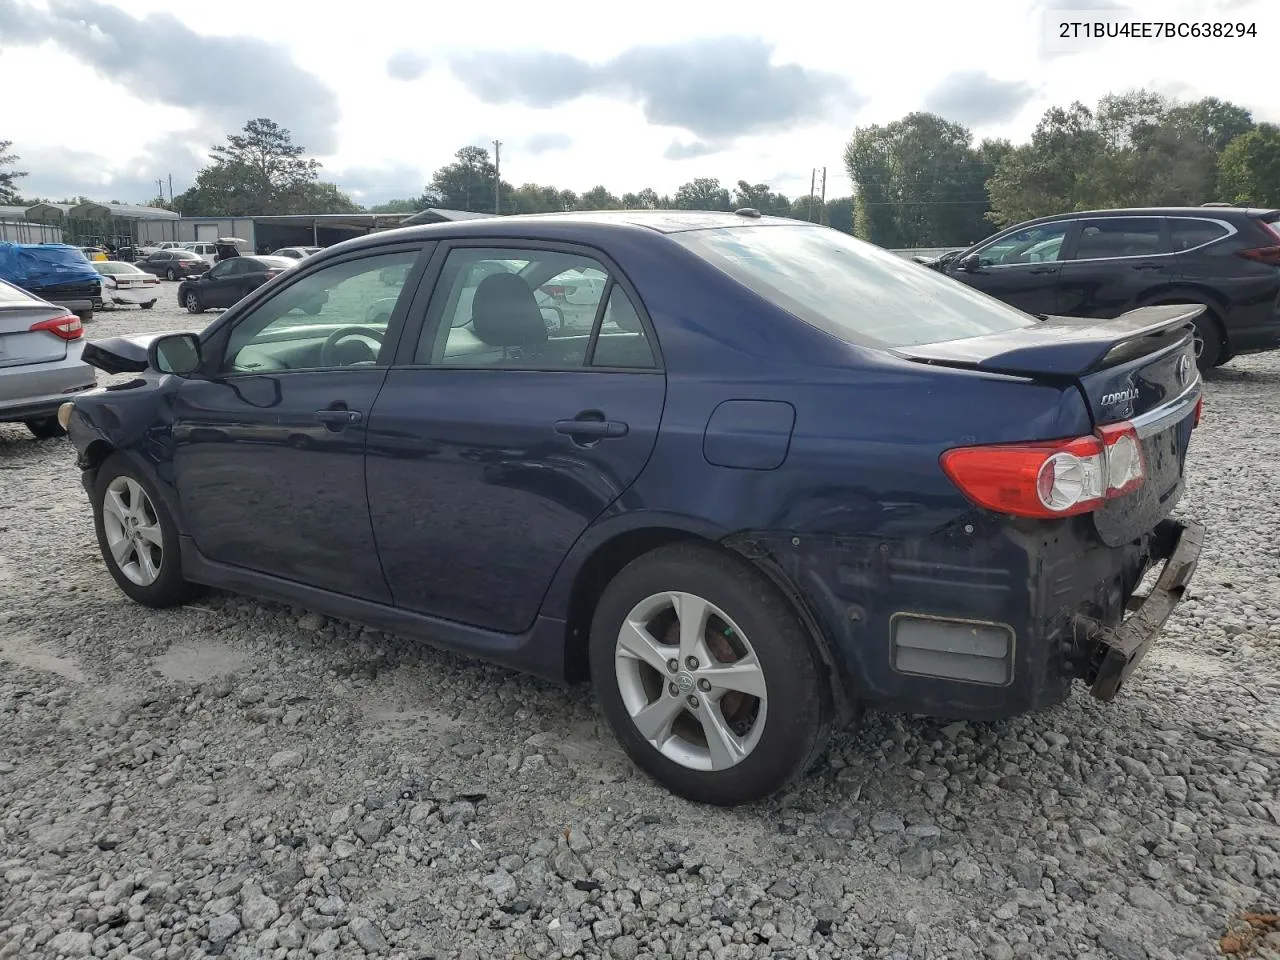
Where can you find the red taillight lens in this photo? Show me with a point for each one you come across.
(1056, 479)
(68, 327)
(1267, 255)
(1199, 412)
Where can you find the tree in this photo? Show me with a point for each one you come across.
(599, 198)
(1249, 168)
(646, 199)
(704, 193)
(321, 198)
(405, 205)
(919, 182)
(467, 183)
(807, 208)
(9, 177)
(1212, 121)
(840, 214)
(761, 197)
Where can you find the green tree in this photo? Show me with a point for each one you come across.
(9, 177)
(1212, 121)
(467, 183)
(403, 205)
(761, 197)
(646, 199)
(807, 208)
(840, 214)
(919, 182)
(1249, 168)
(704, 193)
(599, 198)
(321, 198)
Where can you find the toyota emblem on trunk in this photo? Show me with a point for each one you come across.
(1184, 369)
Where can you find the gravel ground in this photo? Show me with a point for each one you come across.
(242, 779)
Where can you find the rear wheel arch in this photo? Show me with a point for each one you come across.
(1215, 308)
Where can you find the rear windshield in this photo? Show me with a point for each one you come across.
(184, 255)
(10, 295)
(854, 290)
(115, 267)
(271, 263)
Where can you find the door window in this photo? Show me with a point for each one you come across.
(221, 270)
(335, 317)
(1105, 239)
(531, 310)
(1041, 244)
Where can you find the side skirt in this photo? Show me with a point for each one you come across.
(539, 651)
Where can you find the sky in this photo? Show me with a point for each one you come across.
(102, 99)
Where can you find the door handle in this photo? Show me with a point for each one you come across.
(338, 416)
(591, 426)
(1148, 266)
(1044, 270)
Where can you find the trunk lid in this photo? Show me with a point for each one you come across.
(19, 344)
(1139, 367)
(1124, 367)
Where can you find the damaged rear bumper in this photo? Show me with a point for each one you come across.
(1118, 650)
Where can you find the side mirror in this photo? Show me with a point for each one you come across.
(176, 353)
(969, 263)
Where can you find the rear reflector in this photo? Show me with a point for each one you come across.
(68, 327)
(1058, 478)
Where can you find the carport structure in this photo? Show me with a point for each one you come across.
(92, 222)
(326, 229)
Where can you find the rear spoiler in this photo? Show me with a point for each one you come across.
(120, 354)
(1066, 347)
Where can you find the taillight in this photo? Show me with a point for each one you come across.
(1059, 478)
(1267, 255)
(67, 328)
(1199, 412)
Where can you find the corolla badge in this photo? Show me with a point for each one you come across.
(1183, 370)
(1120, 396)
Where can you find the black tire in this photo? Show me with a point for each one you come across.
(169, 589)
(1209, 338)
(191, 300)
(799, 703)
(147, 306)
(85, 315)
(45, 428)
(171, 275)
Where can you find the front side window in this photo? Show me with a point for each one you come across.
(853, 290)
(532, 310)
(224, 269)
(1106, 238)
(335, 317)
(1040, 244)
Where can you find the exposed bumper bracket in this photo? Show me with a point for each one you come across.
(1125, 645)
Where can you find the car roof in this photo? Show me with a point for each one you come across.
(1252, 213)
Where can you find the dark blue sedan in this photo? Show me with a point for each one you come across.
(748, 475)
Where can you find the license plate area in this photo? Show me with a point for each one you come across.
(1164, 457)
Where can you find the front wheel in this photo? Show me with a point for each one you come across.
(147, 306)
(709, 680)
(45, 428)
(192, 302)
(137, 536)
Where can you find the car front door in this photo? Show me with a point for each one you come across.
(1021, 268)
(217, 287)
(1113, 263)
(494, 443)
(269, 441)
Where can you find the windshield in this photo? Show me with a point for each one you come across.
(854, 290)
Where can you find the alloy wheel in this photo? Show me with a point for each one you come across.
(690, 681)
(133, 531)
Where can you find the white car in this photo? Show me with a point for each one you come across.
(123, 284)
(208, 252)
(296, 253)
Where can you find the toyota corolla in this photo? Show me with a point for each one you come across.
(772, 476)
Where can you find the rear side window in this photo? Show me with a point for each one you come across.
(853, 290)
(1187, 234)
(1104, 239)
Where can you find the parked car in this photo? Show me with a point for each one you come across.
(787, 474)
(55, 272)
(124, 283)
(1102, 263)
(206, 251)
(174, 264)
(229, 281)
(40, 364)
(296, 253)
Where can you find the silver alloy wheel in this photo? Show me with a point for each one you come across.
(132, 528)
(193, 302)
(691, 681)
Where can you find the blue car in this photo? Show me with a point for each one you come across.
(770, 475)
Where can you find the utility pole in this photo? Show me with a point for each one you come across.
(823, 211)
(160, 189)
(497, 176)
(813, 176)
(170, 190)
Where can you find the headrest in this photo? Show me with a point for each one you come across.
(622, 312)
(505, 313)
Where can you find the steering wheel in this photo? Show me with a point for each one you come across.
(328, 351)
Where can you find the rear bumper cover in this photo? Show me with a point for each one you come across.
(983, 620)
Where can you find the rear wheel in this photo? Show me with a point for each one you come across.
(84, 315)
(171, 274)
(1210, 348)
(45, 428)
(137, 536)
(708, 679)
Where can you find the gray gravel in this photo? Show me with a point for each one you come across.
(242, 779)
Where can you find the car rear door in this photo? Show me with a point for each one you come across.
(1112, 264)
(493, 444)
(268, 443)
